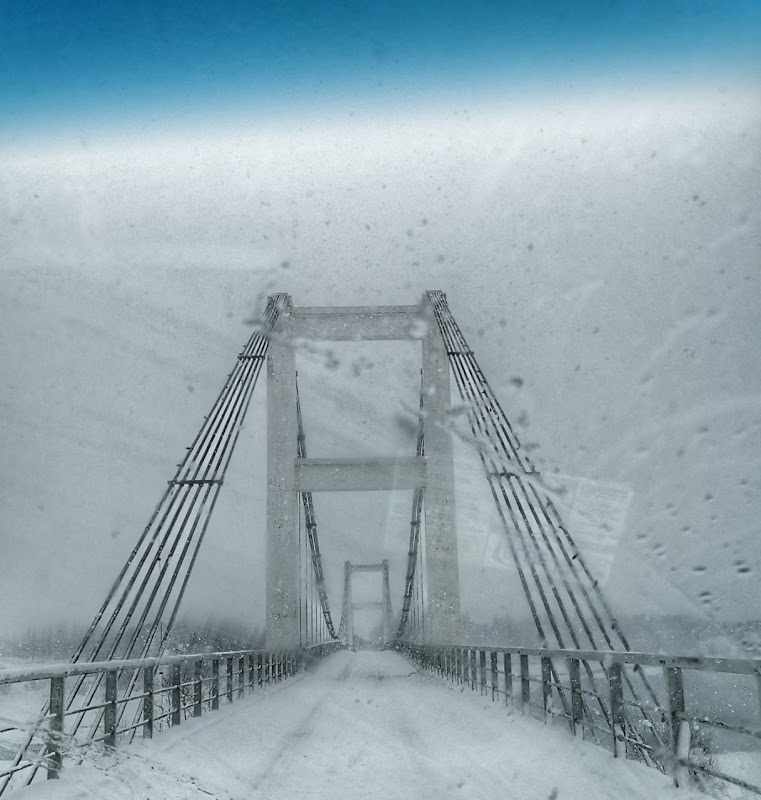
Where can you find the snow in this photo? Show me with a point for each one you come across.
(600, 258)
(360, 725)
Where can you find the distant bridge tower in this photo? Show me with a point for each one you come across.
(288, 475)
(350, 605)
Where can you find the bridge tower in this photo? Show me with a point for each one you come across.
(350, 605)
(288, 475)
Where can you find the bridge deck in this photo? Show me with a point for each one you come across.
(361, 725)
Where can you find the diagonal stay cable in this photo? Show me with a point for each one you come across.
(482, 397)
(198, 492)
(311, 526)
(211, 442)
(415, 523)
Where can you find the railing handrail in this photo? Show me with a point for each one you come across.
(65, 669)
(742, 666)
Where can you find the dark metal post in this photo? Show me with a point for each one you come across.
(229, 679)
(482, 666)
(546, 686)
(215, 684)
(525, 685)
(251, 675)
(508, 667)
(55, 730)
(109, 711)
(241, 676)
(617, 709)
(494, 678)
(577, 708)
(176, 701)
(473, 676)
(198, 688)
(260, 668)
(148, 702)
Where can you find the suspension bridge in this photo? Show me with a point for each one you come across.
(583, 679)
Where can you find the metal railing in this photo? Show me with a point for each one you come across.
(172, 689)
(681, 738)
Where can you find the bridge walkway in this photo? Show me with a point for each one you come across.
(360, 725)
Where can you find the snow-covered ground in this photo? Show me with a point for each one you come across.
(361, 725)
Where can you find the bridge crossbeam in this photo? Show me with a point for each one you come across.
(359, 474)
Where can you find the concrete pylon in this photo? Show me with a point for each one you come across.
(442, 612)
(287, 475)
(283, 583)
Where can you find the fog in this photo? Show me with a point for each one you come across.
(600, 253)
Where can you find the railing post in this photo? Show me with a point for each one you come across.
(525, 685)
(482, 666)
(109, 711)
(546, 687)
(675, 699)
(617, 709)
(229, 679)
(176, 694)
(473, 676)
(198, 688)
(215, 684)
(460, 666)
(260, 669)
(241, 676)
(494, 678)
(508, 667)
(577, 707)
(148, 702)
(55, 729)
(251, 674)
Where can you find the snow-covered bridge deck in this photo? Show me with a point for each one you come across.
(360, 725)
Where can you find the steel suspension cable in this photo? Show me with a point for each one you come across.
(311, 526)
(415, 523)
(203, 488)
(484, 407)
(193, 490)
(479, 417)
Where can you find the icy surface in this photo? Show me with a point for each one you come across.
(361, 725)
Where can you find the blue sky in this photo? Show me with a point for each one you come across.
(83, 62)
